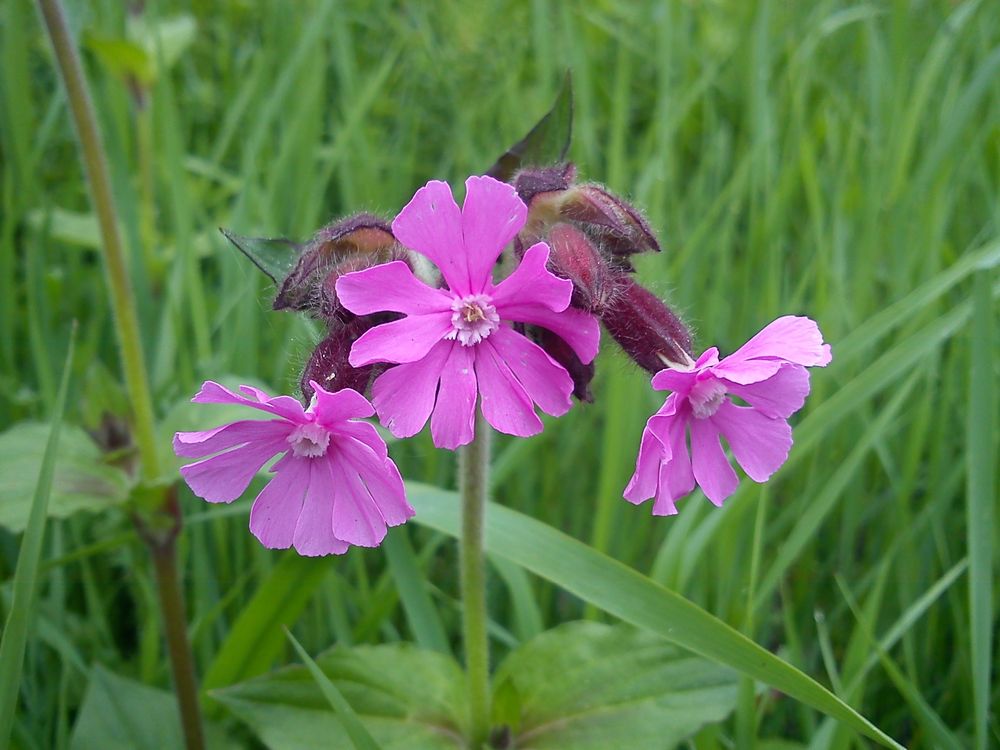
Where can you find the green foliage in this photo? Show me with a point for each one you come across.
(82, 480)
(406, 697)
(121, 714)
(591, 686)
(833, 159)
(25, 584)
(630, 596)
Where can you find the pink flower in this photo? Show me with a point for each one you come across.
(768, 373)
(334, 485)
(458, 344)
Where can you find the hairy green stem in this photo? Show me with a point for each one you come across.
(162, 545)
(122, 298)
(474, 463)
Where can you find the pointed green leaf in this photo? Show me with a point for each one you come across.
(359, 736)
(274, 256)
(546, 143)
(15, 632)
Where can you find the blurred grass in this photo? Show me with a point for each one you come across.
(824, 158)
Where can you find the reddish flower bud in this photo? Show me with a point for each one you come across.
(649, 331)
(532, 182)
(619, 225)
(561, 352)
(365, 237)
(328, 364)
(574, 257)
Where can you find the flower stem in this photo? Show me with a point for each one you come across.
(474, 462)
(161, 543)
(122, 298)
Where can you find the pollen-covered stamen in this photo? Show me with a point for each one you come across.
(309, 440)
(474, 318)
(706, 398)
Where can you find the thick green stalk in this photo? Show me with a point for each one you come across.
(162, 545)
(122, 298)
(474, 463)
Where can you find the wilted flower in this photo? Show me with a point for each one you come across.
(457, 344)
(768, 373)
(333, 486)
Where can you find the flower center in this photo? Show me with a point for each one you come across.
(706, 398)
(473, 319)
(309, 440)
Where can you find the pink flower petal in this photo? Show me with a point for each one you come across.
(331, 409)
(780, 396)
(207, 442)
(383, 481)
(759, 444)
(676, 475)
(491, 215)
(285, 407)
(356, 519)
(453, 423)
(678, 381)
(431, 224)
(644, 482)
(791, 339)
(532, 284)
(390, 286)
(404, 395)
(544, 380)
(275, 512)
(314, 534)
(362, 432)
(578, 329)
(711, 468)
(504, 402)
(406, 340)
(223, 478)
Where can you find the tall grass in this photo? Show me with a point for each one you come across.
(832, 159)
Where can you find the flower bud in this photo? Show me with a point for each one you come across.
(562, 353)
(649, 331)
(619, 225)
(328, 364)
(574, 257)
(364, 237)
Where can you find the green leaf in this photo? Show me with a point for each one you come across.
(407, 698)
(122, 714)
(591, 686)
(981, 499)
(359, 736)
(257, 637)
(15, 632)
(632, 597)
(81, 481)
(546, 143)
(165, 40)
(274, 256)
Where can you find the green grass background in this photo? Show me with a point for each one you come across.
(834, 159)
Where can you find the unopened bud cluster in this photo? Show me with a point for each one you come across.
(352, 244)
(592, 234)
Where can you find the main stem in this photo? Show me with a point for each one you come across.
(474, 463)
(126, 322)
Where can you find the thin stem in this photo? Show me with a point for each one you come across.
(122, 298)
(474, 462)
(161, 543)
(163, 548)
